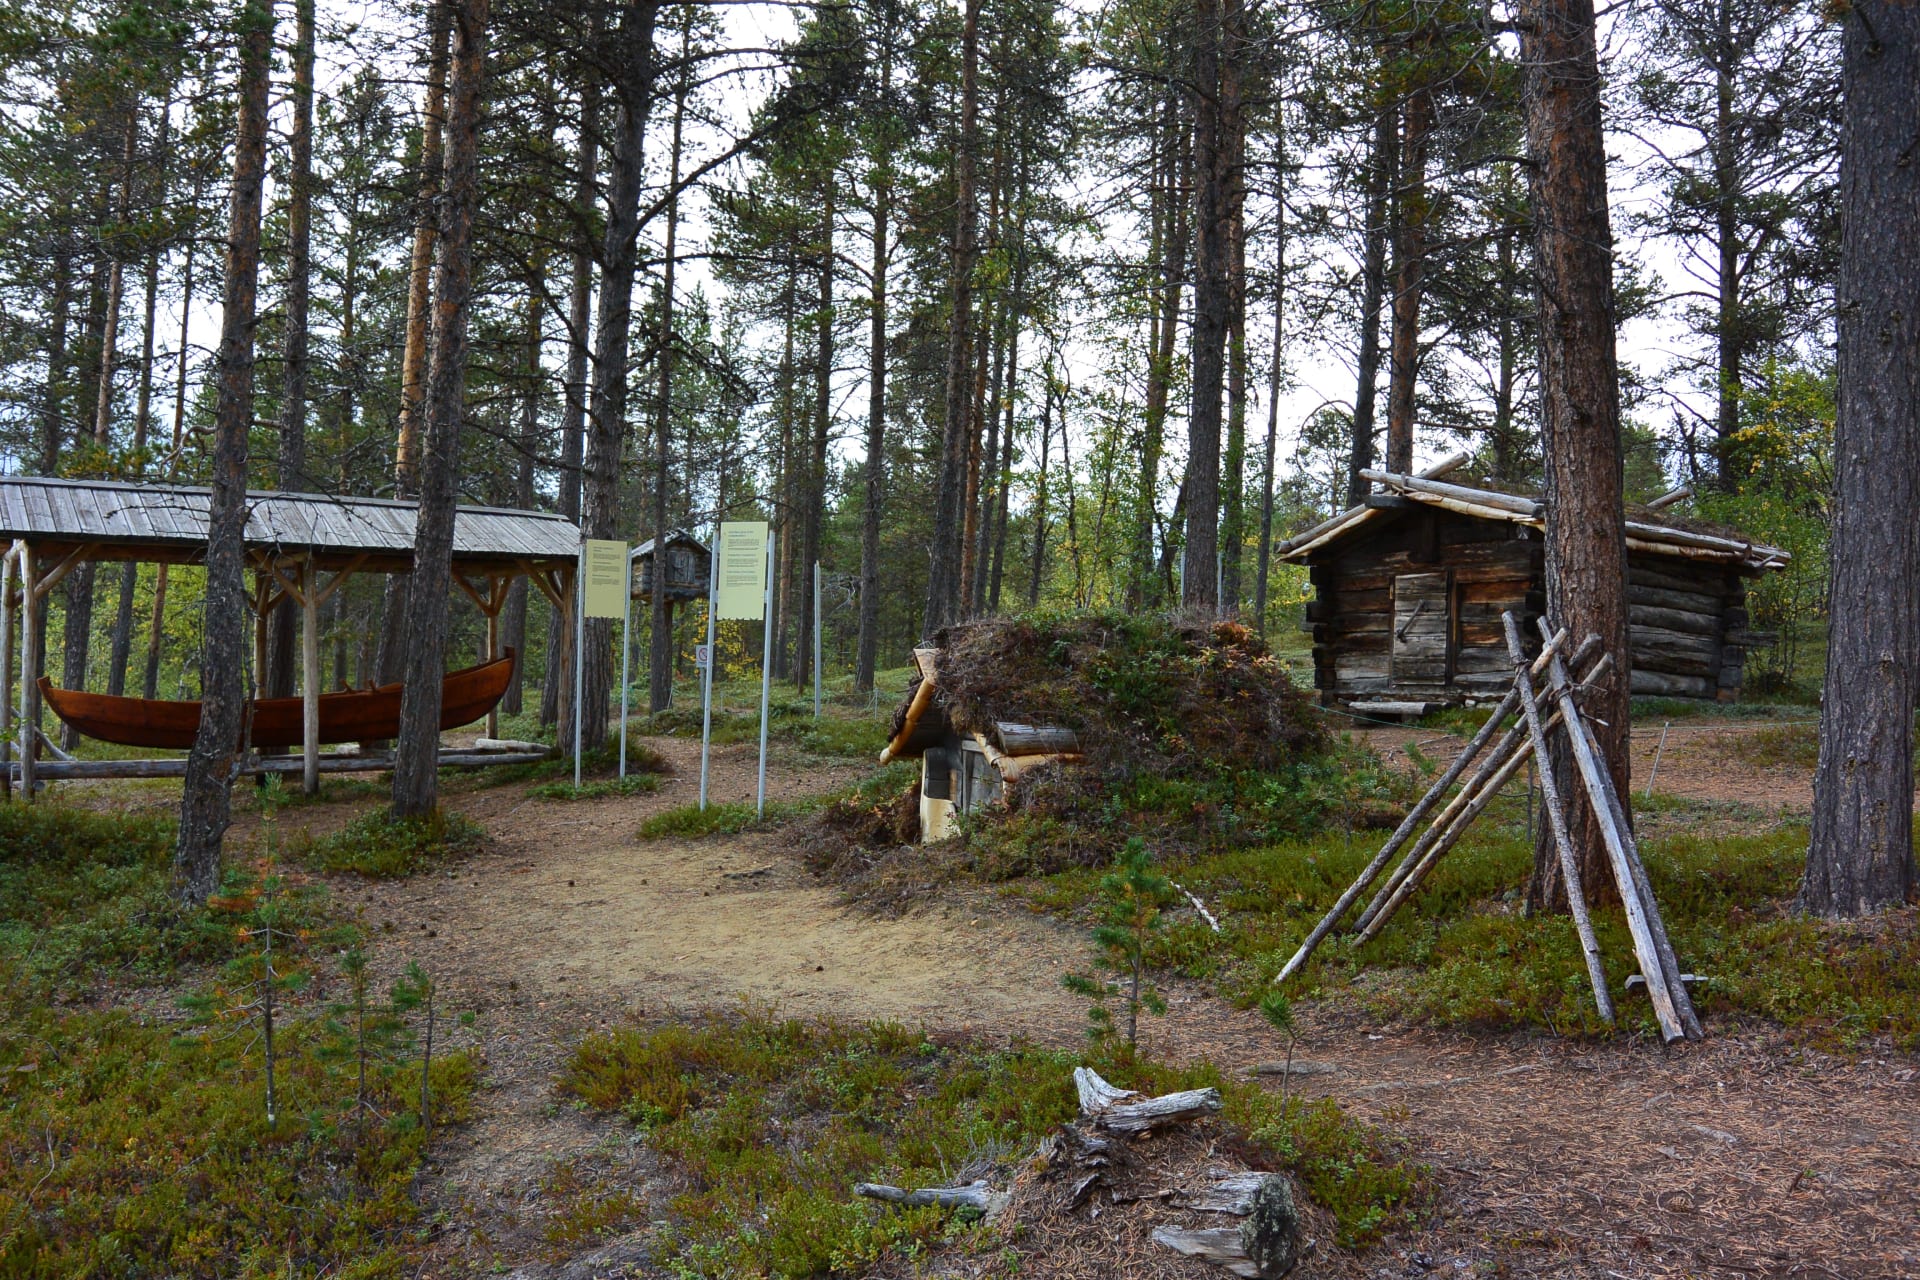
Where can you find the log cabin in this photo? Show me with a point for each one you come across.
(1408, 589)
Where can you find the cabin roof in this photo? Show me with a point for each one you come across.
(679, 537)
(1645, 532)
(166, 522)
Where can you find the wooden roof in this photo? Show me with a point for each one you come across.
(160, 522)
(1400, 492)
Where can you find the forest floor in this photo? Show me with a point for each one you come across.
(1748, 1154)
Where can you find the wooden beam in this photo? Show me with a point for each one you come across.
(339, 579)
(61, 570)
(30, 606)
(309, 680)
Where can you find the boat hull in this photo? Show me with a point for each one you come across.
(358, 715)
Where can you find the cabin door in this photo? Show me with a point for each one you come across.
(1422, 628)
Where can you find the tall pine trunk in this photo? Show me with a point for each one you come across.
(395, 611)
(1373, 287)
(867, 655)
(1200, 586)
(293, 399)
(816, 494)
(1409, 278)
(556, 691)
(944, 583)
(1860, 858)
(1586, 550)
(1173, 204)
(1274, 375)
(607, 407)
(1233, 516)
(205, 801)
(416, 763)
(660, 630)
(513, 617)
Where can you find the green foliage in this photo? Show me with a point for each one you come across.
(379, 846)
(1128, 914)
(770, 1122)
(691, 822)
(634, 784)
(131, 1146)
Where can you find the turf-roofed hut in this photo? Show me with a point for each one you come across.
(1409, 586)
(1085, 705)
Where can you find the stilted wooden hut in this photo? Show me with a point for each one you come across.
(1409, 587)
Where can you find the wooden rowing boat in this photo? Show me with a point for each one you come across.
(356, 715)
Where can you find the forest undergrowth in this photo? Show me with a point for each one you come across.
(143, 1130)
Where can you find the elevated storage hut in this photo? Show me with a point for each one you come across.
(300, 547)
(963, 771)
(688, 562)
(1410, 585)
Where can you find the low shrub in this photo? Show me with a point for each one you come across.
(381, 847)
(771, 1121)
(634, 784)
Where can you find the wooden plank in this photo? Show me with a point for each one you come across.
(1659, 684)
(1670, 598)
(1681, 620)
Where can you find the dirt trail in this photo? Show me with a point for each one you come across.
(1739, 1156)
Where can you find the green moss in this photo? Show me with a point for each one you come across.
(379, 846)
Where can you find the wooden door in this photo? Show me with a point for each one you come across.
(1422, 628)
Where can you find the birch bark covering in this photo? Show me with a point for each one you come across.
(205, 804)
(1586, 550)
(416, 765)
(1861, 855)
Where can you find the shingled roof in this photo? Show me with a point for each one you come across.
(1644, 532)
(161, 522)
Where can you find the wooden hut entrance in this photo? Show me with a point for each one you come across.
(300, 546)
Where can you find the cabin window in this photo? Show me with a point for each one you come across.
(1422, 628)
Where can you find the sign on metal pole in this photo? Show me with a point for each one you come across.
(602, 592)
(739, 577)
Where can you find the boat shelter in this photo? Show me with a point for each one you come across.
(300, 547)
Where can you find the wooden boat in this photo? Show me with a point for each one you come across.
(356, 715)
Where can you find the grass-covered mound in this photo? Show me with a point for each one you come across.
(1192, 733)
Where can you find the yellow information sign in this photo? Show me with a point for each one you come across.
(740, 566)
(606, 579)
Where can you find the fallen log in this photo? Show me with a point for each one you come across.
(1125, 1111)
(1265, 1246)
(975, 1195)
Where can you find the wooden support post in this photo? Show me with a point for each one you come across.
(262, 593)
(496, 597)
(1671, 1004)
(1557, 818)
(310, 678)
(30, 606)
(6, 671)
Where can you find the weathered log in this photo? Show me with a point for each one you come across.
(1232, 1194)
(1124, 1111)
(1661, 684)
(176, 767)
(1684, 621)
(975, 1195)
(1034, 739)
(1670, 497)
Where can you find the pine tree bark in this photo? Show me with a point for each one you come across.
(1586, 554)
(416, 762)
(513, 617)
(1373, 287)
(1173, 199)
(205, 801)
(1860, 858)
(1274, 374)
(613, 325)
(815, 497)
(392, 660)
(292, 462)
(867, 655)
(1233, 515)
(556, 691)
(1200, 587)
(659, 610)
(1409, 278)
(944, 583)
(1038, 570)
(156, 626)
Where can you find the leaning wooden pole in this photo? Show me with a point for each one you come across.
(1671, 1004)
(1557, 817)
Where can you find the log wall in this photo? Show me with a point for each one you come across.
(1379, 633)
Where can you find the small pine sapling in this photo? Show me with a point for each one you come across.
(1130, 902)
(1278, 1011)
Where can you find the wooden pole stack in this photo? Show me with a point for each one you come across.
(1501, 754)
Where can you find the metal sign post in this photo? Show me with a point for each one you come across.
(816, 639)
(766, 680)
(626, 661)
(706, 673)
(602, 588)
(740, 587)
